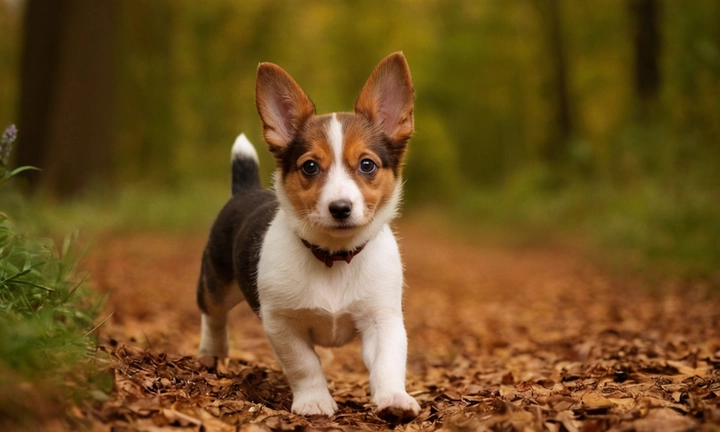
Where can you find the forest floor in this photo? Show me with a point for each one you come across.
(500, 338)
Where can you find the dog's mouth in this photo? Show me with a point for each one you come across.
(341, 229)
(338, 228)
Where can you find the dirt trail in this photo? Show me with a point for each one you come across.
(500, 339)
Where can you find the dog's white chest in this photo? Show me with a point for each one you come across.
(322, 309)
(326, 306)
(323, 328)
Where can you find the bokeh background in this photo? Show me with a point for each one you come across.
(597, 120)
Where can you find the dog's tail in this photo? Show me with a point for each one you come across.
(245, 167)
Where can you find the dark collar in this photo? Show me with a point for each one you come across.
(327, 258)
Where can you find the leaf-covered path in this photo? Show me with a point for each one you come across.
(501, 338)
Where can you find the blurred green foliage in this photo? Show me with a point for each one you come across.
(46, 318)
(47, 356)
(484, 104)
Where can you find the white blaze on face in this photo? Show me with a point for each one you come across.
(339, 184)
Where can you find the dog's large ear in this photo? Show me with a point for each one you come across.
(283, 106)
(387, 98)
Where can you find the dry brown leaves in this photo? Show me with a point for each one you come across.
(631, 387)
(500, 339)
(186, 392)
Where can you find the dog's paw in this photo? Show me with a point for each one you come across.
(397, 407)
(314, 404)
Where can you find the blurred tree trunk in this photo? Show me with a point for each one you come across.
(67, 93)
(645, 17)
(40, 56)
(555, 149)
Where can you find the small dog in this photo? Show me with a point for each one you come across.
(316, 259)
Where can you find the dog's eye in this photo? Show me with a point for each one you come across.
(367, 166)
(310, 168)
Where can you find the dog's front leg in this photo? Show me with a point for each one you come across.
(301, 365)
(384, 348)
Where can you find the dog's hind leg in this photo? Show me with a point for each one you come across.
(215, 298)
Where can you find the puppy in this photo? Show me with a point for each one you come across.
(316, 259)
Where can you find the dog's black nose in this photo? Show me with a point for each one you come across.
(340, 209)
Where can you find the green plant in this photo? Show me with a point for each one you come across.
(45, 319)
(6, 144)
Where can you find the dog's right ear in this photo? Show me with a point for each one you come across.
(283, 106)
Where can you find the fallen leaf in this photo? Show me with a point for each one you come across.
(180, 419)
(592, 401)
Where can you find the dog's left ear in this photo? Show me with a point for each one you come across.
(388, 97)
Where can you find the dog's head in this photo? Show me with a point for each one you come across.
(338, 176)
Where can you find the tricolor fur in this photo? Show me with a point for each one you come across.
(337, 186)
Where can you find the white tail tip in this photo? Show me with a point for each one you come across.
(243, 148)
